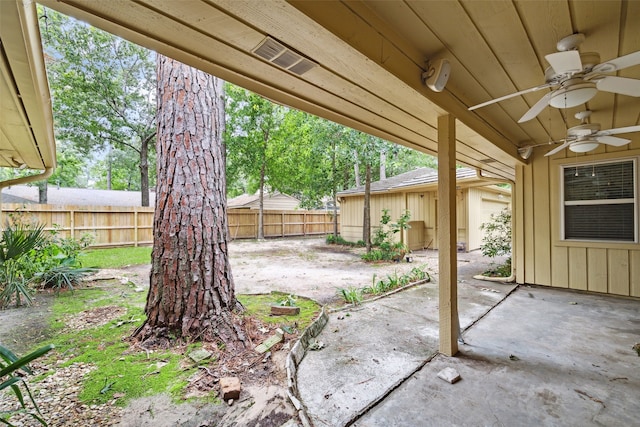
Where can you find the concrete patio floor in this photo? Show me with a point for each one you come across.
(540, 356)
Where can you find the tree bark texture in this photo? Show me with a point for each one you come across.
(144, 172)
(191, 293)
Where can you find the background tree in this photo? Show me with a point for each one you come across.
(113, 172)
(191, 292)
(103, 90)
(70, 168)
(252, 123)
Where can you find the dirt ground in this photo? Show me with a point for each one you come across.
(311, 268)
(305, 267)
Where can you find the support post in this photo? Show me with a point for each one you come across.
(447, 236)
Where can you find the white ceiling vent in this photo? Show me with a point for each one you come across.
(283, 56)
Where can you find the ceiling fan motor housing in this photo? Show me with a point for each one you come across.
(583, 129)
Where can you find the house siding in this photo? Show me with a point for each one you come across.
(423, 206)
(482, 203)
(542, 257)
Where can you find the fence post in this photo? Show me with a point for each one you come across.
(72, 223)
(282, 220)
(135, 227)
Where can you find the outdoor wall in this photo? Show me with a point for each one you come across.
(351, 213)
(488, 202)
(542, 258)
(423, 206)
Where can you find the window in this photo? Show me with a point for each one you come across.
(600, 202)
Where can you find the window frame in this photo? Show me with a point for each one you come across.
(635, 200)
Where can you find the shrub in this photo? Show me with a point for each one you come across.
(19, 239)
(497, 241)
(339, 240)
(387, 249)
(29, 256)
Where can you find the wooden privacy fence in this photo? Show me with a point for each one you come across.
(133, 226)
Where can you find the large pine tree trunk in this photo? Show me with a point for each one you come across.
(144, 172)
(191, 293)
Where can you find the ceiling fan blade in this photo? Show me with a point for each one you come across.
(622, 85)
(536, 109)
(565, 62)
(511, 95)
(627, 129)
(612, 140)
(558, 149)
(618, 63)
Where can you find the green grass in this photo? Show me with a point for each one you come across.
(116, 257)
(260, 306)
(130, 373)
(120, 370)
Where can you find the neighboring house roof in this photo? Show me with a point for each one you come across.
(274, 200)
(417, 178)
(74, 196)
(9, 198)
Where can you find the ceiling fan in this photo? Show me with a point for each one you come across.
(587, 136)
(577, 77)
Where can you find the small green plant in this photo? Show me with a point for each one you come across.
(374, 255)
(339, 240)
(9, 377)
(288, 301)
(418, 273)
(393, 281)
(351, 295)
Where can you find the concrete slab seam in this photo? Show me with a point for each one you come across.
(390, 390)
(294, 358)
(491, 308)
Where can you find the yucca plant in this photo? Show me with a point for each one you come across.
(18, 240)
(15, 285)
(65, 275)
(9, 378)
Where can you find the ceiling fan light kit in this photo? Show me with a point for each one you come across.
(584, 146)
(575, 78)
(573, 94)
